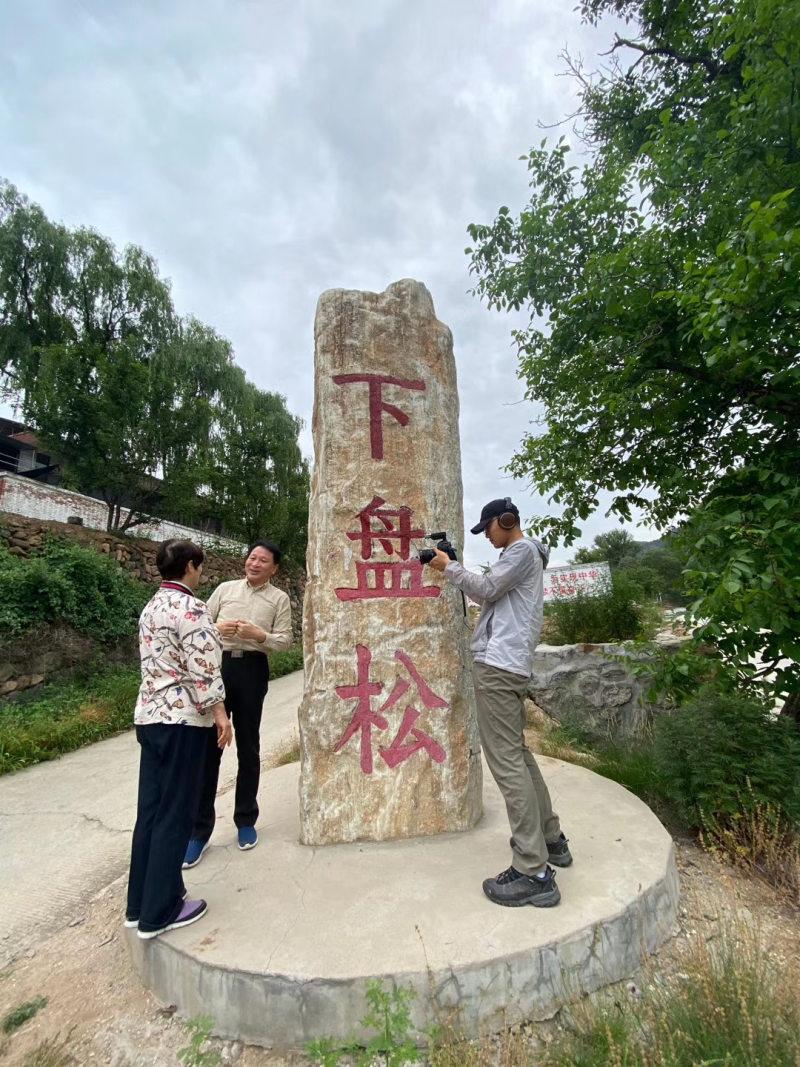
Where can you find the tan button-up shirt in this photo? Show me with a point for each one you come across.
(264, 605)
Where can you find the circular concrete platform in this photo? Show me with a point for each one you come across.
(293, 934)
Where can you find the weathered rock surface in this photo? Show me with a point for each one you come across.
(595, 684)
(387, 725)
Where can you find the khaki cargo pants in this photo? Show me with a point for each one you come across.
(500, 697)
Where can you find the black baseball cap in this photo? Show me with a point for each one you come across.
(493, 510)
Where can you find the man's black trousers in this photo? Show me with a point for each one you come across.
(171, 765)
(246, 681)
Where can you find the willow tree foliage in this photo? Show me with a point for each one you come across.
(135, 401)
(661, 269)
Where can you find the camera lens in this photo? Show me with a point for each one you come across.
(426, 555)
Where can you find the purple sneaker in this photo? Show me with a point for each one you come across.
(131, 923)
(191, 911)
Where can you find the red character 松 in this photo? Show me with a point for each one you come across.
(365, 719)
(377, 405)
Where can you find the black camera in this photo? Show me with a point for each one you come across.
(427, 554)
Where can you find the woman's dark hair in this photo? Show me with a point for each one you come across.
(270, 546)
(174, 557)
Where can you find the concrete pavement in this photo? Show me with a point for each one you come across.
(294, 934)
(65, 825)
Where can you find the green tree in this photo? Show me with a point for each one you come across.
(667, 266)
(145, 410)
(261, 481)
(90, 394)
(657, 569)
(609, 548)
(34, 287)
(192, 379)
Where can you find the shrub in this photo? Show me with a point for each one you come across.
(632, 762)
(71, 584)
(19, 1015)
(676, 677)
(286, 661)
(621, 612)
(722, 751)
(762, 840)
(731, 1006)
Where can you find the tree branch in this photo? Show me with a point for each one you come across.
(664, 51)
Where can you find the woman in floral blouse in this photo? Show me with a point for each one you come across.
(181, 696)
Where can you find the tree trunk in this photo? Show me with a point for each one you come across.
(791, 709)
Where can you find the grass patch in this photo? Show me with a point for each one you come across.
(729, 1006)
(287, 751)
(760, 839)
(52, 1052)
(195, 1054)
(19, 1015)
(719, 767)
(62, 717)
(633, 763)
(66, 716)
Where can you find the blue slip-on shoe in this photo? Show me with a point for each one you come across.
(248, 837)
(194, 852)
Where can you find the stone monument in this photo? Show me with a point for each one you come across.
(387, 723)
(389, 750)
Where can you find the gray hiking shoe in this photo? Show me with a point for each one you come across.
(514, 890)
(558, 852)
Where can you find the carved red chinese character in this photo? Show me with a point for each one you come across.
(379, 579)
(377, 405)
(365, 719)
(397, 752)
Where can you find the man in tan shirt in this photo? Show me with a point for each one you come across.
(252, 617)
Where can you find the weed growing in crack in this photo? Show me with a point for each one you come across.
(194, 1055)
(389, 1016)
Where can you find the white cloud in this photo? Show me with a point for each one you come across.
(264, 153)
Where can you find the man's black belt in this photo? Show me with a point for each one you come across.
(240, 653)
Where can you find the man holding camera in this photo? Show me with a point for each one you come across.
(511, 597)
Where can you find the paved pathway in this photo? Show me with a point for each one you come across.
(65, 826)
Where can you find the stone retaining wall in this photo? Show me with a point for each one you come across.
(595, 685)
(53, 653)
(55, 650)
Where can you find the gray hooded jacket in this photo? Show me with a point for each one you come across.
(512, 600)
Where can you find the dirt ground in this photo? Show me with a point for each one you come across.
(98, 1013)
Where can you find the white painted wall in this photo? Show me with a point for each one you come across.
(23, 496)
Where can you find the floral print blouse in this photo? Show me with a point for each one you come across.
(181, 654)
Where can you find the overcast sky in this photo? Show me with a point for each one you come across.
(264, 152)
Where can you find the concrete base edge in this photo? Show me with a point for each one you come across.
(284, 1007)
